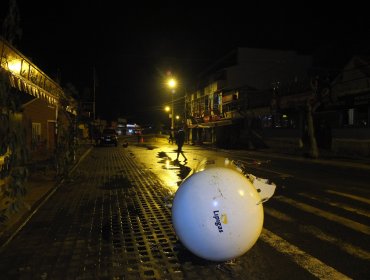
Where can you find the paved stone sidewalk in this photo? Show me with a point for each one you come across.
(40, 185)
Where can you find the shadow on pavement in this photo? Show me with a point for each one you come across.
(183, 170)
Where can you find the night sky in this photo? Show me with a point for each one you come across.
(132, 45)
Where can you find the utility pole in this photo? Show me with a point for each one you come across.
(172, 112)
(185, 121)
(94, 93)
(311, 131)
(311, 128)
(172, 83)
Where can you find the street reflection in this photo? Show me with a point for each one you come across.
(172, 179)
(183, 170)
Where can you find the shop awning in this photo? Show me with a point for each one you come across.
(211, 124)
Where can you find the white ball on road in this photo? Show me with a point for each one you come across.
(217, 214)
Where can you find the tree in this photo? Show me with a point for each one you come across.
(13, 151)
(66, 141)
(12, 31)
(311, 132)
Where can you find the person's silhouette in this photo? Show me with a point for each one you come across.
(180, 139)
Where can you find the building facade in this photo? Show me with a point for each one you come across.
(267, 99)
(44, 104)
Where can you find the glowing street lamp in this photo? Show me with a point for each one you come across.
(172, 83)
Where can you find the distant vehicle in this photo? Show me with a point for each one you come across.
(109, 137)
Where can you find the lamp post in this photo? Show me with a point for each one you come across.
(168, 110)
(172, 83)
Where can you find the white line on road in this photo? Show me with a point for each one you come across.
(319, 234)
(304, 260)
(344, 246)
(278, 215)
(344, 206)
(329, 216)
(355, 197)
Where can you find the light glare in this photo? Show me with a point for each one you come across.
(172, 83)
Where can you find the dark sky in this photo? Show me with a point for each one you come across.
(132, 44)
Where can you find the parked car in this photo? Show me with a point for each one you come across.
(109, 137)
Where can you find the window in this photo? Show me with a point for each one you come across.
(36, 132)
(351, 116)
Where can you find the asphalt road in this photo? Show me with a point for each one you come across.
(318, 218)
(112, 220)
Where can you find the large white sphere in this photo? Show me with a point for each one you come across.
(217, 214)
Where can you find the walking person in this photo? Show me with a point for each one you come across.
(180, 139)
(170, 139)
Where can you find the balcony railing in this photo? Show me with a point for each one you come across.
(27, 77)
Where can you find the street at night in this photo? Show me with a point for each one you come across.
(112, 220)
(185, 140)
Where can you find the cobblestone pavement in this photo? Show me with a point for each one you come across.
(41, 184)
(111, 221)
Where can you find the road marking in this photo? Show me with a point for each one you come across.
(329, 216)
(304, 260)
(344, 246)
(278, 215)
(317, 233)
(337, 204)
(355, 197)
